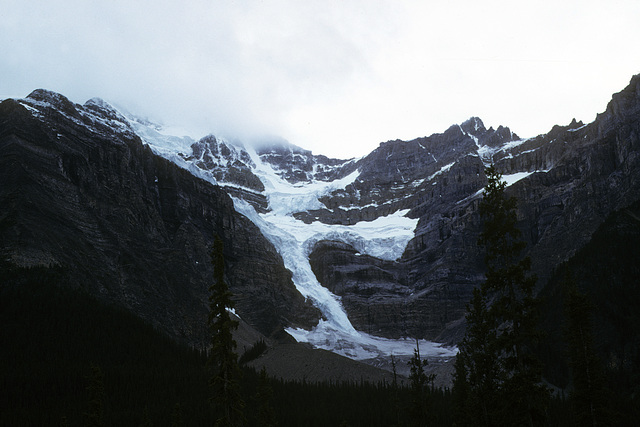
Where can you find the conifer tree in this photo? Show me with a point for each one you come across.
(95, 414)
(176, 416)
(264, 396)
(503, 377)
(460, 392)
(419, 381)
(223, 359)
(146, 418)
(395, 398)
(588, 394)
(477, 375)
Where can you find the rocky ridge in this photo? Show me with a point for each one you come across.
(82, 192)
(567, 181)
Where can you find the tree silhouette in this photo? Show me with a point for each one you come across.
(95, 413)
(588, 395)
(503, 377)
(419, 381)
(222, 357)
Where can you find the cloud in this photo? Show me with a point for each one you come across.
(333, 76)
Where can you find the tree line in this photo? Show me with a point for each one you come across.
(66, 359)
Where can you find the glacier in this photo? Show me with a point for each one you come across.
(385, 238)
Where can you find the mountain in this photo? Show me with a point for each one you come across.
(349, 255)
(81, 192)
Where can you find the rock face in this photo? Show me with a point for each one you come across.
(80, 185)
(80, 191)
(295, 164)
(574, 177)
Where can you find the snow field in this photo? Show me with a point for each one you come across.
(385, 238)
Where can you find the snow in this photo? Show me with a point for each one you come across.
(515, 177)
(385, 237)
(233, 311)
(286, 198)
(361, 346)
(442, 170)
(513, 144)
(33, 110)
(165, 145)
(577, 129)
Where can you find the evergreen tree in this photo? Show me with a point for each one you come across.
(477, 375)
(223, 359)
(176, 416)
(419, 381)
(95, 414)
(460, 393)
(146, 418)
(395, 397)
(503, 377)
(264, 396)
(588, 395)
(514, 305)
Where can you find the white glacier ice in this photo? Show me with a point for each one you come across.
(511, 179)
(385, 238)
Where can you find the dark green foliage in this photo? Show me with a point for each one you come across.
(176, 416)
(461, 392)
(253, 353)
(146, 418)
(478, 368)
(588, 394)
(264, 398)
(395, 398)
(606, 271)
(357, 404)
(503, 384)
(95, 390)
(51, 338)
(418, 383)
(223, 360)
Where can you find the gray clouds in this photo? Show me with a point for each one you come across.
(337, 77)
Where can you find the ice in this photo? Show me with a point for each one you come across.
(291, 248)
(515, 177)
(385, 237)
(441, 171)
(166, 145)
(361, 346)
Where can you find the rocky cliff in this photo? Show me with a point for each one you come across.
(567, 182)
(82, 192)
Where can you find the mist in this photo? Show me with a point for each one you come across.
(334, 77)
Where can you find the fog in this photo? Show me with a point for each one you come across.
(336, 77)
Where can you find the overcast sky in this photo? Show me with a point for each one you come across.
(336, 77)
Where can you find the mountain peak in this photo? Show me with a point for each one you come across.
(98, 102)
(55, 99)
(473, 126)
(102, 107)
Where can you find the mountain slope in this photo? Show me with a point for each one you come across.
(567, 181)
(81, 191)
(383, 246)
